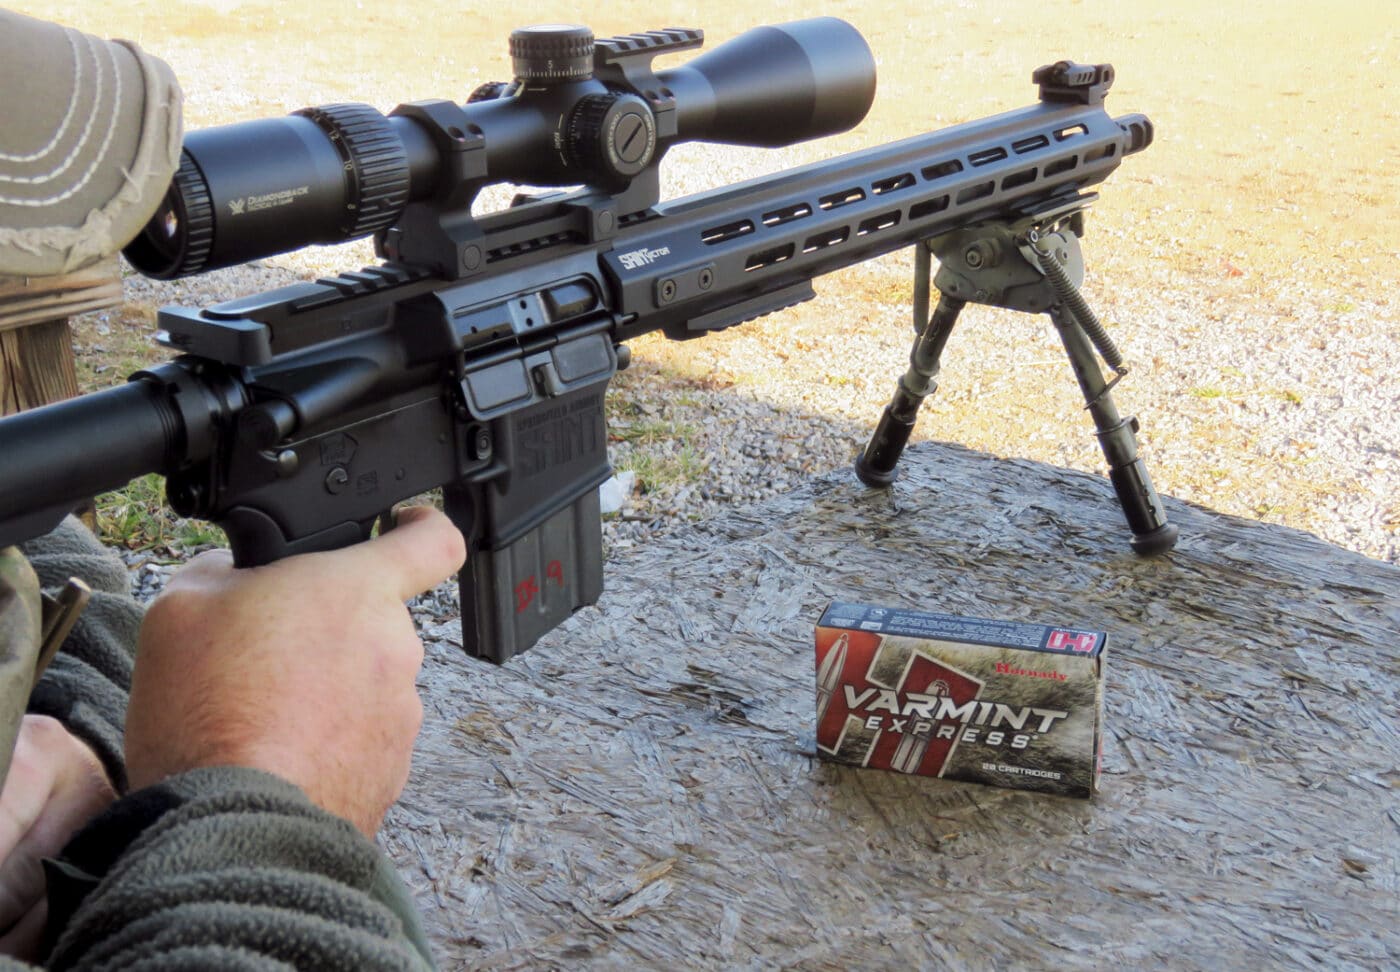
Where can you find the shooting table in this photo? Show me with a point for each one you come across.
(640, 790)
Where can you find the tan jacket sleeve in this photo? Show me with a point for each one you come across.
(20, 621)
(90, 134)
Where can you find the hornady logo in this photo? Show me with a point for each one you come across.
(1081, 642)
(1004, 669)
(637, 259)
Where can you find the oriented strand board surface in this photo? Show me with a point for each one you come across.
(639, 790)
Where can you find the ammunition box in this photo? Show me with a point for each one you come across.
(1003, 703)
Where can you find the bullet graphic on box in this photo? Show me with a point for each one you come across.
(909, 754)
(829, 674)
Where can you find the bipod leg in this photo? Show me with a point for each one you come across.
(1152, 534)
(875, 466)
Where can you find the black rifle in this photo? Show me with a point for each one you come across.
(476, 357)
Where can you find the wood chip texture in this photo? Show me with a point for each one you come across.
(640, 790)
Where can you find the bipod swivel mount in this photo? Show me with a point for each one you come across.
(1034, 265)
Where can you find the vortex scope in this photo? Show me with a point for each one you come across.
(579, 112)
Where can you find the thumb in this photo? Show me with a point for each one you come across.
(422, 550)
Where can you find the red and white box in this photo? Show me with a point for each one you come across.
(1003, 703)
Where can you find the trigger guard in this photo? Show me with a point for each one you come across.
(257, 539)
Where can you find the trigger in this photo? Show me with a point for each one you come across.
(386, 521)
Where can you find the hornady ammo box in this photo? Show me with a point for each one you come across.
(998, 702)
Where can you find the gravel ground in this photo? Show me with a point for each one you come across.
(1254, 401)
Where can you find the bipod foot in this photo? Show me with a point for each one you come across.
(873, 477)
(1154, 542)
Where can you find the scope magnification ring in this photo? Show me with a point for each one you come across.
(376, 164)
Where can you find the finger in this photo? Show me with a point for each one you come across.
(18, 811)
(20, 805)
(211, 566)
(21, 883)
(422, 550)
(23, 939)
(56, 784)
(28, 786)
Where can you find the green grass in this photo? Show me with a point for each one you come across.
(107, 348)
(661, 472)
(651, 431)
(137, 518)
(657, 469)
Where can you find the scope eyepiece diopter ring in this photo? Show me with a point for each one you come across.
(375, 163)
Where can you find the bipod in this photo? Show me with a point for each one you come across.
(1034, 265)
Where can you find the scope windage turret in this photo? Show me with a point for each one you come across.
(579, 112)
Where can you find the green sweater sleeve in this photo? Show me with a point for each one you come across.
(228, 868)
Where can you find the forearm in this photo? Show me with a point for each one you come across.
(222, 866)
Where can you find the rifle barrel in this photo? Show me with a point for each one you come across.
(107, 439)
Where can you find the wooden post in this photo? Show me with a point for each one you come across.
(36, 343)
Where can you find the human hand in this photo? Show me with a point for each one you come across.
(56, 784)
(304, 668)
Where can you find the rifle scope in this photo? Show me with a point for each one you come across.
(579, 112)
